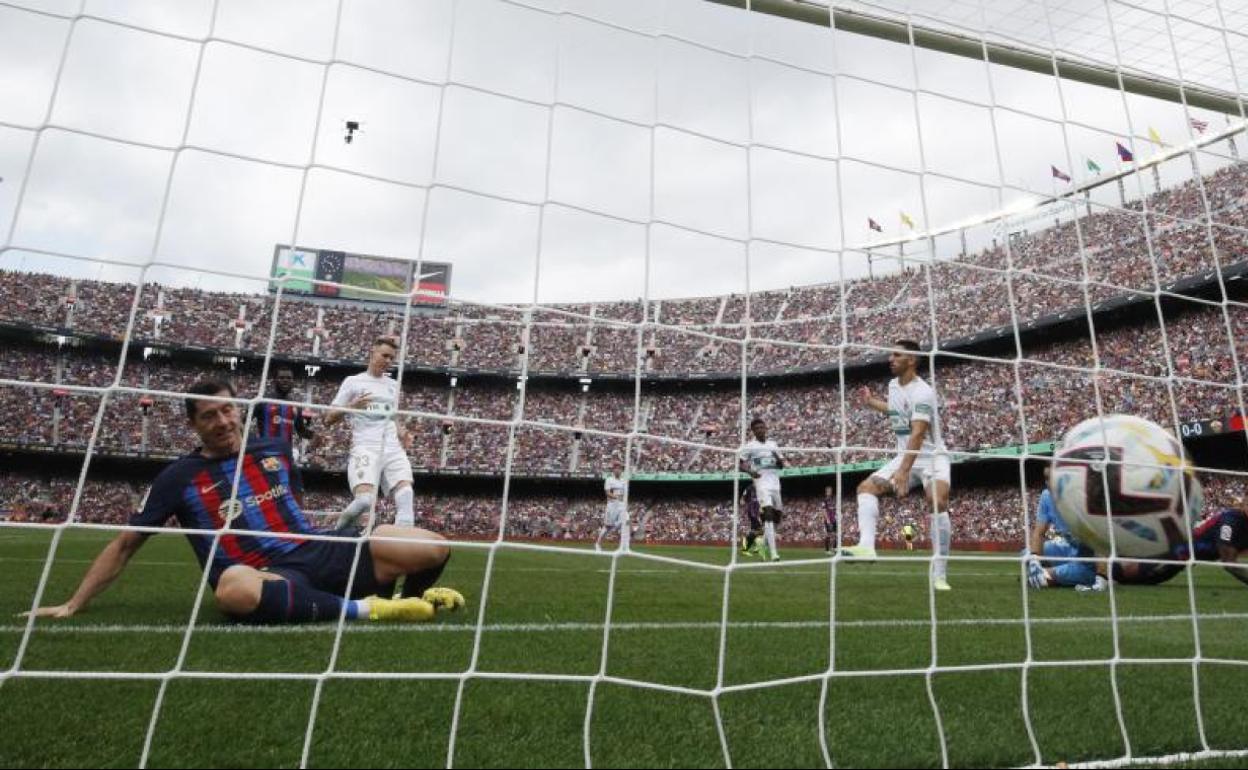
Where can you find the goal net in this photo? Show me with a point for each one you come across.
(607, 235)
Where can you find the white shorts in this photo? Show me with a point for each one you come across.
(617, 514)
(769, 498)
(368, 466)
(922, 473)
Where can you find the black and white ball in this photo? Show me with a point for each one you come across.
(1121, 484)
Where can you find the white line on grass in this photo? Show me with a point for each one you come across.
(867, 570)
(761, 625)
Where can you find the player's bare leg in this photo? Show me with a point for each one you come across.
(942, 533)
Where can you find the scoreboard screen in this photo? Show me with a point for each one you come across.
(314, 272)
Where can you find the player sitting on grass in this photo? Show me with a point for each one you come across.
(1048, 558)
(259, 579)
(1221, 537)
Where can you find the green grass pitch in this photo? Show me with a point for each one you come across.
(544, 616)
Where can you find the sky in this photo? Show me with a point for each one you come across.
(554, 150)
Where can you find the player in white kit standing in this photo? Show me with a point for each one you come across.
(378, 442)
(616, 518)
(922, 459)
(762, 461)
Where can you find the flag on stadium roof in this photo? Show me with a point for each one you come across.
(1095, 169)
(906, 220)
(1156, 137)
(1200, 125)
(1125, 154)
(871, 223)
(1059, 174)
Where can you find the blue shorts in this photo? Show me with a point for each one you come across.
(326, 565)
(1069, 573)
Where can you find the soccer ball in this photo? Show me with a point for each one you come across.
(1145, 494)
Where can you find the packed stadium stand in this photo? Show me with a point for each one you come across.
(1161, 327)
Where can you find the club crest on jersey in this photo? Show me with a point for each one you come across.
(230, 509)
(271, 464)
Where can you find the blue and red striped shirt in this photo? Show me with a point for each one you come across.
(1229, 528)
(197, 491)
(277, 420)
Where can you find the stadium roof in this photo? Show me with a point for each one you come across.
(1143, 37)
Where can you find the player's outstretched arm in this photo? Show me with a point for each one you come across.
(100, 575)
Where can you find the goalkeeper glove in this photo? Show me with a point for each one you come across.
(1036, 576)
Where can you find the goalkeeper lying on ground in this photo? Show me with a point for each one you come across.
(261, 579)
(1048, 560)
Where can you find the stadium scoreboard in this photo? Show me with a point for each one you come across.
(345, 275)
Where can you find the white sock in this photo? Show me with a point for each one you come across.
(403, 499)
(769, 536)
(624, 535)
(351, 514)
(940, 545)
(868, 512)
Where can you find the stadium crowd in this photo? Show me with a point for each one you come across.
(1032, 274)
(981, 515)
(1179, 367)
(685, 427)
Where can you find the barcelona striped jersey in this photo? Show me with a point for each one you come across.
(277, 421)
(196, 490)
(1229, 528)
(829, 512)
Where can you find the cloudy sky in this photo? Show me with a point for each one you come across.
(559, 149)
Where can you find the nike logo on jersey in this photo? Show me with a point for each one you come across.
(206, 490)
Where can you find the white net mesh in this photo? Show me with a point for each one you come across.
(788, 190)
